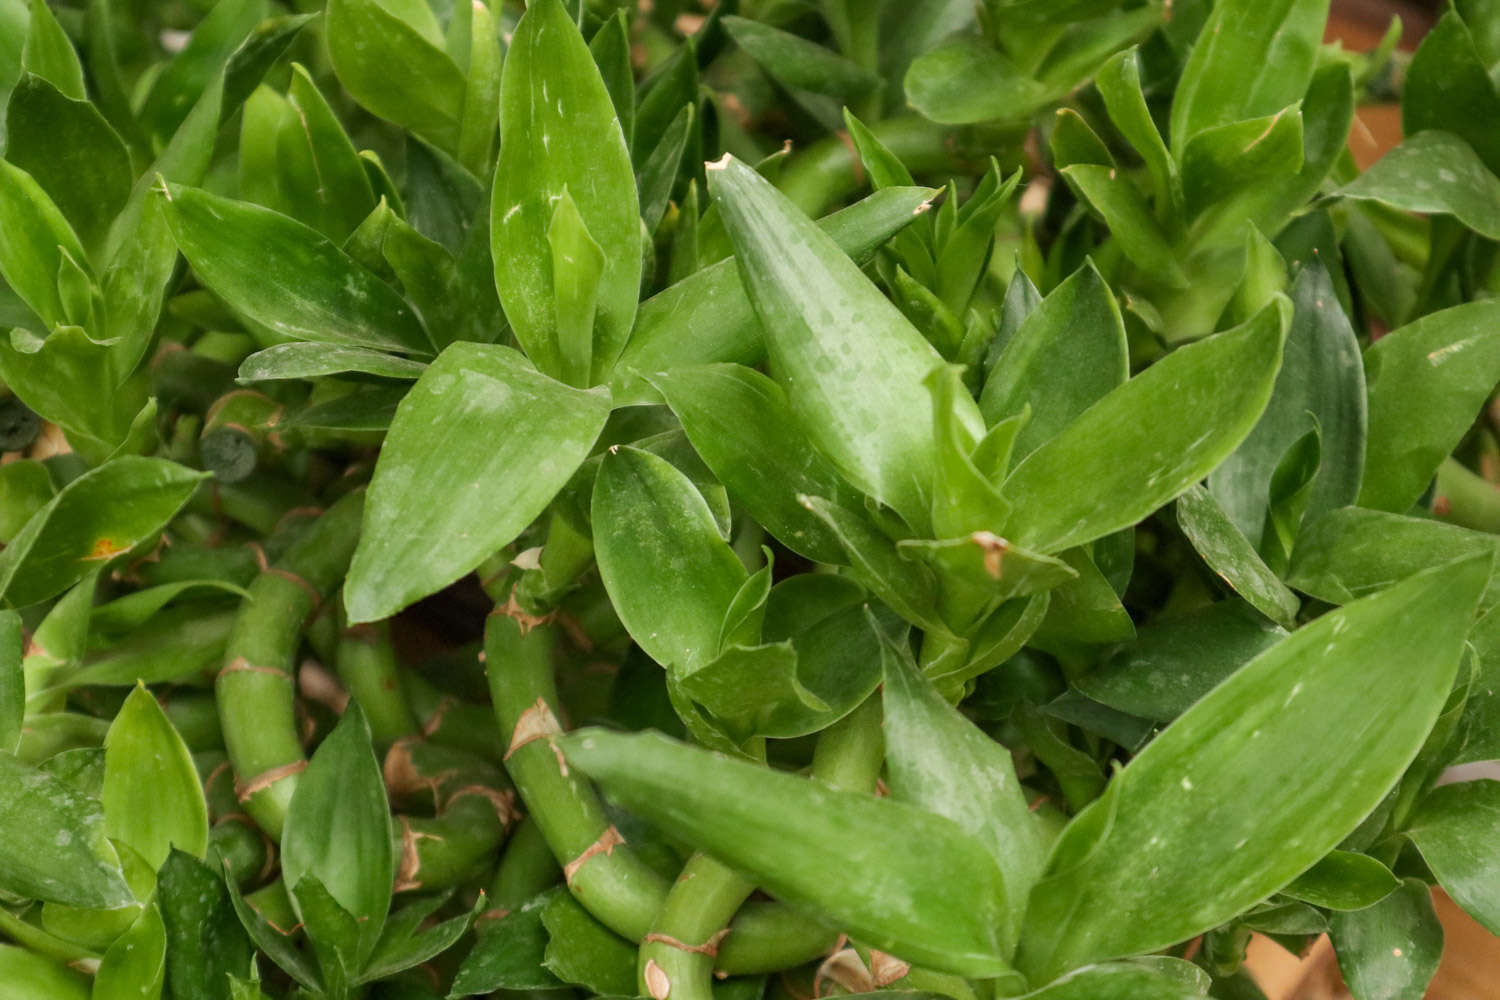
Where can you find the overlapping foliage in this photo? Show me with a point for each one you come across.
(1020, 537)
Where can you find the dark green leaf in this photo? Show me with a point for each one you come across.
(12, 681)
(205, 943)
(582, 951)
(1391, 950)
(412, 947)
(1116, 981)
(508, 952)
(798, 63)
(1448, 87)
(306, 360)
(1231, 556)
(1130, 220)
(215, 39)
(1456, 828)
(494, 438)
(1434, 171)
(1343, 881)
(1220, 162)
(1181, 839)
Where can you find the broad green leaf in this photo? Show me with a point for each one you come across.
(744, 686)
(1353, 552)
(1448, 87)
(102, 514)
(332, 931)
(669, 574)
(71, 151)
(853, 365)
(740, 422)
(1391, 950)
(34, 237)
(1251, 59)
(205, 943)
(1130, 221)
(707, 316)
(1119, 83)
(365, 40)
(907, 585)
(1148, 440)
(1073, 141)
(1181, 839)
(939, 760)
(182, 81)
(797, 63)
(577, 269)
(26, 486)
(824, 860)
(1232, 558)
(1220, 162)
(508, 952)
(308, 360)
(582, 951)
(1455, 828)
(339, 829)
(256, 55)
(561, 134)
(152, 799)
(12, 681)
(479, 446)
(48, 52)
(1343, 881)
(25, 975)
(1068, 354)
(837, 666)
(135, 966)
(409, 946)
(1428, 380)
(55, 842)
(1321, 384)
(1084, 610)
(344, 186)
(986, 569)
(287, 276)
(1434, 171)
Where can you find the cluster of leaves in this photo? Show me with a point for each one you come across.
(1030, 594)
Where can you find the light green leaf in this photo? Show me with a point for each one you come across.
(1456, 828)
(12, 681)
(1119, 83)
(1428, 380)
(1434, 171)
(1252, 58)
(797, 63)
(135, 966)
(578, 264)
(25, 975)
(1344, 881)
(669, 573)
(152, 799)
(1182, 841)
(34, 237)
(1150, 439)
(1448, 87)
(308, 360)
(852, 364)
(48, 52)
(1130, 221)
(339, 830)
(1230, 555)
(822, 860)
(287, 276)
(479, 446)
(1391, 950)
(1220, 162)
(561, 133)
(343, 186)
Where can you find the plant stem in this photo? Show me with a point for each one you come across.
(1466, 498)
(366, 664)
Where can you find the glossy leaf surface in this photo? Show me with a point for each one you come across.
(1455, 828)
(1438, 172)
(152, 799)
(496, 438)
(56, 842)
(1231, 556)
(1391, 950)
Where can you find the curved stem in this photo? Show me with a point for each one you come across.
(367, 666)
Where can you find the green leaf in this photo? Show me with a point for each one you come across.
(339, 829)
(152, 799)
(332, 931)
(1231, 556)
(1148, 440)
(49, 53)
(12, 681)
(1390, 951)
(135, 966)
(561, 135)
(508, 952)
(1084, 610)
(287, 276)
(1185, 843)
(1448, 87)
(73, 382)
(966, 81)
(1116, 981)
(1455, 828)
(939, 760)
(668, 572)
(72, 153)
(205, 943)
(577, 269)
(1320, 385)
(1130, 221)
(1251, 59)
(182, 81)
(659, 172)
(610, 48)
(908, 586)
(1343, 881)
(816, 847)
(799, 64)
(707, 316)
(307, 360)
(25, 975)
(491, 436)
(55, 844)
(582, 951)
(1220, 162)
(1428, 380)
(34, 237)
(741, 423)
(1119, 83)
(1353, 552)
(1434, 171)
(410, 947)
(481, 108)
(837, 666)
(343, 186)
(853, 365)
(366, 39)
(102, 514)
(1067, 355)
(278, 945)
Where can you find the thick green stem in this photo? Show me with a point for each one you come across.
(367, 667)
(255, 689)
(1467, 498)
(526, 868)
(473, 809)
